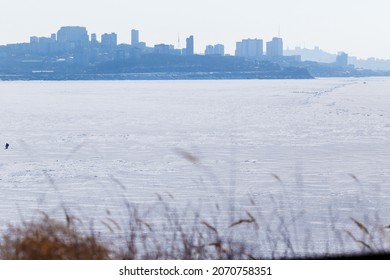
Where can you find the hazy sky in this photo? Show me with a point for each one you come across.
(359, 27)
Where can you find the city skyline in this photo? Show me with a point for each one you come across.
(262, 47)
(134, 34)
(356, 29)
(255, 47)
(78, 38)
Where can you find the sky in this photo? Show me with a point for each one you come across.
(358, 27)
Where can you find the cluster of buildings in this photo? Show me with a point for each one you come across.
(253, 48)
(74, 43)
(72, 48)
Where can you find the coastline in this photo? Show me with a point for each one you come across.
(249, 75)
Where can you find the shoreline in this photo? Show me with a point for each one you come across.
(168, 77)
(283, 75)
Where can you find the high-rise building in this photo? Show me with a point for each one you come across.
(218, 49)
(109, 41)
(93, 38)
(190, 45)
(94, 41)
(250, 48)
(209, 50)
(163, 49)
(76, 35)
(342, 59)
(134, 37)
(275, 47)
(34, 39)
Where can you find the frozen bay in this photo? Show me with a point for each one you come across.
(320, 146)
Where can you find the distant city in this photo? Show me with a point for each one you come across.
(73, 53)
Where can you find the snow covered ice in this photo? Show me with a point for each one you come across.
(91, 145)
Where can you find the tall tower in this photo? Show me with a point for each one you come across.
(93, 38)
(275, 47)
(134, 37)
(190, 45)
(250, 48)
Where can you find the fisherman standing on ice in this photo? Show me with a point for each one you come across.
(6, 146)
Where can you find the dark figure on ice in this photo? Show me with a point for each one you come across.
(6, 146)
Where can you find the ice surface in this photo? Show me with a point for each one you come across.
(319, 145)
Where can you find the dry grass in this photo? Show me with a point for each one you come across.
(178, 236)
(49, 239)
(168, 231)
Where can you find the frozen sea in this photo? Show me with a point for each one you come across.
(317, 148)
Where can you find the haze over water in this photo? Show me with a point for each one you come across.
(321, 144)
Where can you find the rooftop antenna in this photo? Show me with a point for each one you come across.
(279, 31)
(178, 41)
